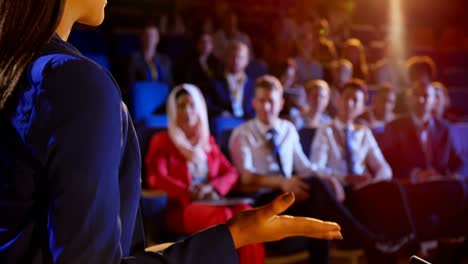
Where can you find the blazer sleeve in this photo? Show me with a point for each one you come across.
(210, 246)
(157, 169)
(227, 176)
(76, 132)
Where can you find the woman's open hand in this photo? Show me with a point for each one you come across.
(264, 224)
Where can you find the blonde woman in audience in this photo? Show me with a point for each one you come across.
(342, 72)
(318, 96)
(353, 50)
(381, 111)
(308, 67)
(186, 163)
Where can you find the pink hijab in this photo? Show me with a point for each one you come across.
(195, 153)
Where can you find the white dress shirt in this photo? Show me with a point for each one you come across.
(329, 152)
(250, 150)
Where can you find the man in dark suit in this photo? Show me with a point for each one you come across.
(234, 90)
(147, 64)
(202, 67)
(422, 155)
(428, 149)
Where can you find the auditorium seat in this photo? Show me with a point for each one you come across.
(147, 98)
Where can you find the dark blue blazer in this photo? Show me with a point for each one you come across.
(139, 70)
(220, 99)
(402, 148)
(70, 172)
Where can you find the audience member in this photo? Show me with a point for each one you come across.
(318, 96)
(348, 152)
(381, 110)
(358, 154)
(186, 163)
(147, 64)
(294, 95)
(441, 102)
(419, 69)
(390, 69)
(234, 91)
(308, 67)
(354, 51)
(266, 151)
(429, 151)
(229, 32)
(325, 53)
(203, 67)
(421, 152)
(342, 72)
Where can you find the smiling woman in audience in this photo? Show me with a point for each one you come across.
(186, 163)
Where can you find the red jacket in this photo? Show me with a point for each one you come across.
(167, 169)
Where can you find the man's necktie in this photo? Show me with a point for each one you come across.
(349, 151)
(271, 136)
(153, 69)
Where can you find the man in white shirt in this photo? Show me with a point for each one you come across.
(347, 151)
(267, 152)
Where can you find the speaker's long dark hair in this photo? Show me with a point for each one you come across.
(25, 27)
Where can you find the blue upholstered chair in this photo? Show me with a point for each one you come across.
(147, 97)
(220, 124)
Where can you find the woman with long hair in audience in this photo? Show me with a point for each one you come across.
(186, 163)
(354, 51)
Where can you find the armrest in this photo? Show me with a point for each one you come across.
(149, 193)
(159, 247)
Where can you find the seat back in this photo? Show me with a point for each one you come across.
(306, 137)
(220, 124)
(223, 142)
(147, 97)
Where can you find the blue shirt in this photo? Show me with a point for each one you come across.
(70, 172)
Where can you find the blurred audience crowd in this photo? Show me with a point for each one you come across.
(366, 142)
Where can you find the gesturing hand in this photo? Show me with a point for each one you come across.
(264, 224)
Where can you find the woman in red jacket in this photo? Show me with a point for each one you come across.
(186, 163)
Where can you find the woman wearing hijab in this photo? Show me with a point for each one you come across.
(186, 163)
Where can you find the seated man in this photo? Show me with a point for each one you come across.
(268, 155)
(421, 153)
(381, 111)
(429, 151)
(234, 91)
(147, 64)
(348, 152)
